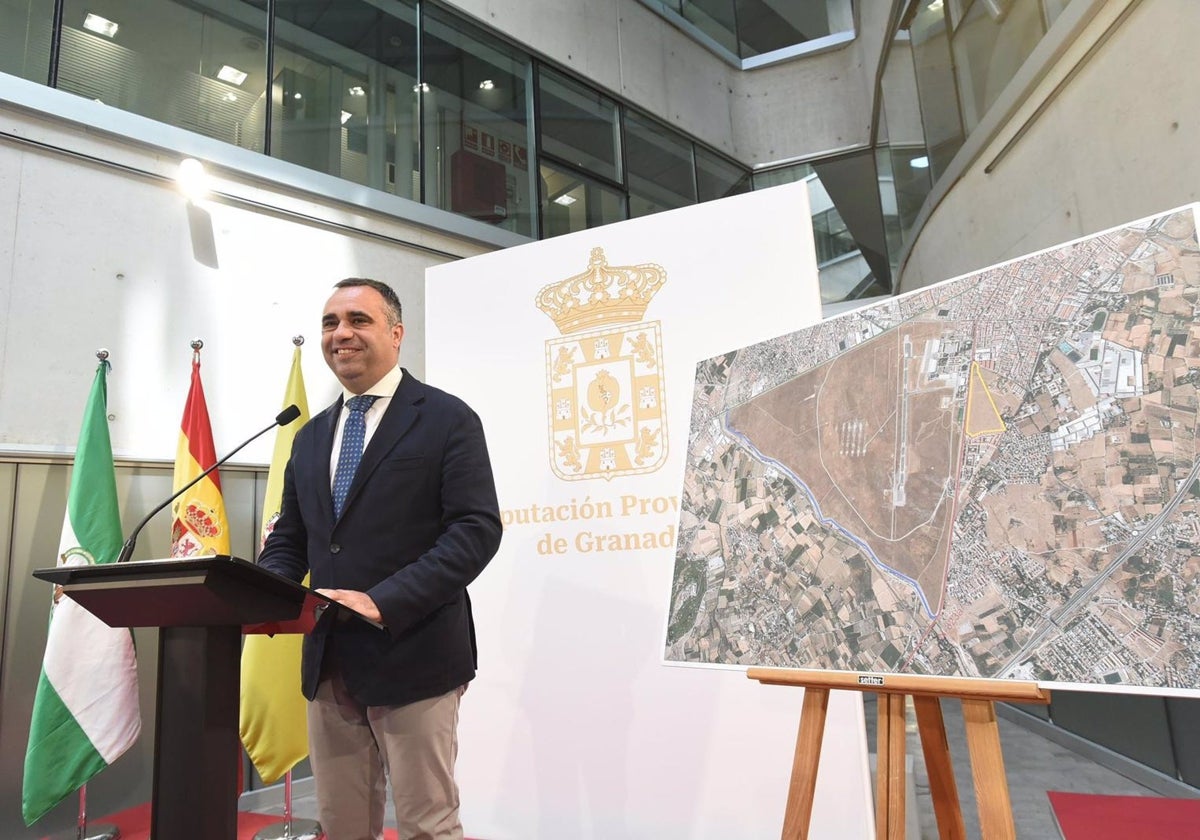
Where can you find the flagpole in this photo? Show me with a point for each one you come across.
(290, 829)
(80, 831)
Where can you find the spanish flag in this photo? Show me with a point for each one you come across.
(199, 524)
(274, 726)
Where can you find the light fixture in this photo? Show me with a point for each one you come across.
(421, 87)
(100, 25)
(297, 95)
(921, 162)
(192, 179)
(565, 200)
(346, 115)
(230, 96)
(487, 84)
(231, 74)
(357, 90)
(935, 6)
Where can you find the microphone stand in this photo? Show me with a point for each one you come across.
(282, 419)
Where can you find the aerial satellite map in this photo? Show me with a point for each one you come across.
(996, 476)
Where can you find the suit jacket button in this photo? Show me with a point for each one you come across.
(335, 548)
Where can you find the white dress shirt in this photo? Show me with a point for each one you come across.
(385, 389)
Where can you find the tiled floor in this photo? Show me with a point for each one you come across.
(1033, 765)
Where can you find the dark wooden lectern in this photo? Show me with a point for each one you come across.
(202, 605)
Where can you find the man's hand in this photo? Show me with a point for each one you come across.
(360, 602)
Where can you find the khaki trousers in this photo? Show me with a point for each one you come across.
(356, 749)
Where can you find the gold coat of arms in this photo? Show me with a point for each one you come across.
(604, 378)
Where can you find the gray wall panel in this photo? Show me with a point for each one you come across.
(1134, 725)
(36, 509)
(1184, 716)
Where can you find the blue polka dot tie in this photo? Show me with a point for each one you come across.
(353, 435)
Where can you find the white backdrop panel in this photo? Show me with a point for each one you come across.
(575, 727)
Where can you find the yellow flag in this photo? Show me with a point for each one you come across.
(274, 725)
(199, 525)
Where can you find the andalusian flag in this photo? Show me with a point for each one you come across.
(85, 711)
(274, 726)
(199, 525)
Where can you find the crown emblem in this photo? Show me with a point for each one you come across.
(202, 520)
(602, 294)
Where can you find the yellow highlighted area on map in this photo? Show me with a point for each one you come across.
(983, 418)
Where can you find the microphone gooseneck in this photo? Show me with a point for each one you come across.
(282, 419)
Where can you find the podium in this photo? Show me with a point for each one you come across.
(202, 606)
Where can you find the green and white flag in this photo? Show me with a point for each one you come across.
(85, 712)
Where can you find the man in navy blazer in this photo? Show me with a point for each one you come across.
(419, 521)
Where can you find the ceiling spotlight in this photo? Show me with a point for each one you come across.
(231, 74)
(357, 90)
(297, 95)
(921, 162)
(192, 179)
(346, 115)
(487, 84)
(565, 200)
(100, 25)
(421, 87)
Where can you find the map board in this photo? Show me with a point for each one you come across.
(996, 476)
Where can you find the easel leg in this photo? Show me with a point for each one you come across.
(987, 767)
(889, 786)
(942, 787)
(804, 764)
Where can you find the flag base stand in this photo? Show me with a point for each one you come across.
(292, 830)
(92, 832)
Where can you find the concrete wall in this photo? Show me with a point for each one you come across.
(1118, 142)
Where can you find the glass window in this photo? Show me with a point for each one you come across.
(903, 161)
(473, 92)
(660, 166)
(938, 95)
(170, 62)
(990, 45)
(717, 177)
(714, 18)
(572, 202)
(343, 98)
(25, 29)
(1054, 8)
(764, 27)
(578, 125)
(747, 28)
(833, 238)
(783, 175)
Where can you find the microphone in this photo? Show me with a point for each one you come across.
(281, 419)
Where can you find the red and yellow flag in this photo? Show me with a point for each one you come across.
(273, 723)
(199, 525)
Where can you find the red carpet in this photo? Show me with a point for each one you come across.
(1092, 816)
(135, 823)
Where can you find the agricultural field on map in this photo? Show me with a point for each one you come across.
(997, 476)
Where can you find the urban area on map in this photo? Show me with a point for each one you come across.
(997, 476)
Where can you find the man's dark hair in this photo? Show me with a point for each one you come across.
(390, 298)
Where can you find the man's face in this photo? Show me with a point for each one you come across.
(359, 346)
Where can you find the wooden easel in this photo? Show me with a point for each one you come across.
(983, 739)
